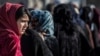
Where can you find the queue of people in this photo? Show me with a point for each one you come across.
(57, 30)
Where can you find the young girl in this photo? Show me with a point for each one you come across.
(13, 23)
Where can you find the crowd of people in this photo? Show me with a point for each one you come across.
(58, 30)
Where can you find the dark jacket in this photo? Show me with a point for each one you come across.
(53, 45)
(33, 45)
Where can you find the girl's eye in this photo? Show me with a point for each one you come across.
(23, 21)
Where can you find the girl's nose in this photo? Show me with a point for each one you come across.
(26, 24)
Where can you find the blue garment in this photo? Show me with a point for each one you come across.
(79, 21)
(76, 17)
(45, 21)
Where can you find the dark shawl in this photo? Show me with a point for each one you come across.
(33, 45)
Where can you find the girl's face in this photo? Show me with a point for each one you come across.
(23, 23)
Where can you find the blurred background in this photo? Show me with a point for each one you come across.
(42, 3)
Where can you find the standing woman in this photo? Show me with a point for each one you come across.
(13, 23)
(72, 39)
(43, 23)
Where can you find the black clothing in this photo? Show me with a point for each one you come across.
(52, 44)
(72, 42)
(33, 45)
